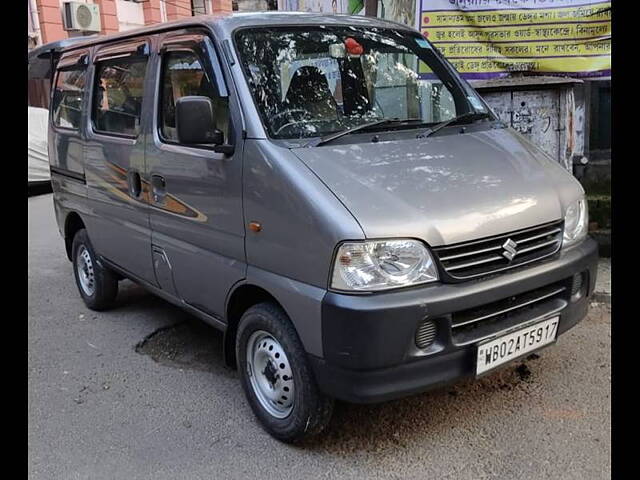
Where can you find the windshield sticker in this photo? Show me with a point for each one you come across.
(422, 43)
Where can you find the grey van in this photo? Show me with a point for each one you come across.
(327, 191)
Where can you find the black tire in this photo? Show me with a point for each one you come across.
(311, 409)
(105, 282)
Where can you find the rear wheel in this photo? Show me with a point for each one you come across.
(98, 286)
(276, 376)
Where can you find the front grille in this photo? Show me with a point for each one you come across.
(480, 257)
(475, 323)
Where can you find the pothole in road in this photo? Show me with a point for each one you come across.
(190, 345)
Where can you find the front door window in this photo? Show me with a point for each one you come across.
(183, 75)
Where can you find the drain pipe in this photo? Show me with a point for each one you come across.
(35, 21)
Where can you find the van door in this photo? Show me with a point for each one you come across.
(114, 157)
(196, 193)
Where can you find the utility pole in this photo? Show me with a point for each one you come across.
(371, 8)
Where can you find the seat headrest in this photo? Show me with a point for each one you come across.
(310, 84)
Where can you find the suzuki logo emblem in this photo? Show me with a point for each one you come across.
(509, 249)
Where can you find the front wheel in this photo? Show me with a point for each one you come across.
(276, 376)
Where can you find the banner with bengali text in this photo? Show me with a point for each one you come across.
(492, 38)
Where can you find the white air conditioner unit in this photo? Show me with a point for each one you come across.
(82, 17)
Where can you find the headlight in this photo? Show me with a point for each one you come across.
(382, 264)
(576, 221)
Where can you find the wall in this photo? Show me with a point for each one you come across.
(252, 5)
(50, 17)
(130, 14)
(118, 15)
(324, 6)
(552, 116)
(33, 26)
(108, 16)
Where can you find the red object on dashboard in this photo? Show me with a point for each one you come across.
(353, 47)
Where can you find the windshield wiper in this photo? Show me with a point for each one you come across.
(328, 138)
(451, 121)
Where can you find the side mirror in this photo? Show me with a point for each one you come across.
(195, 121)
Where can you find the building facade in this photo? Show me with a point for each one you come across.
(51, 20)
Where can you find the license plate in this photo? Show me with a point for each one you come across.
(512, 345)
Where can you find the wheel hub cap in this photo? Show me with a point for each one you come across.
(86, 275)
(270, 374)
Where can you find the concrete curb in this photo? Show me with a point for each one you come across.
(602, 291)
(601, 297)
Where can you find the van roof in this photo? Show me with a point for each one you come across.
(227, 22)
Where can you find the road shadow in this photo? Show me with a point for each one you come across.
(133, 298)
(183, 341)
(385, 427)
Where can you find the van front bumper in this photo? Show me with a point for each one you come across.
(370, 353)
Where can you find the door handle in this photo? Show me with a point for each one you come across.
(135, 183)
(158, 188)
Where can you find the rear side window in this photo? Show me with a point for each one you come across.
(118, 93)
(67, 98)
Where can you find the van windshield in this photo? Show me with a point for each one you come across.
(314, 81)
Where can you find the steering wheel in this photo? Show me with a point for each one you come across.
(304, 113)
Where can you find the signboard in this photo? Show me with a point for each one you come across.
(492, 38)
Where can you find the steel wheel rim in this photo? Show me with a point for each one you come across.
(86, 276)
(270, 374)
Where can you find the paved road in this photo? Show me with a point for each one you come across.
(140, 392)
